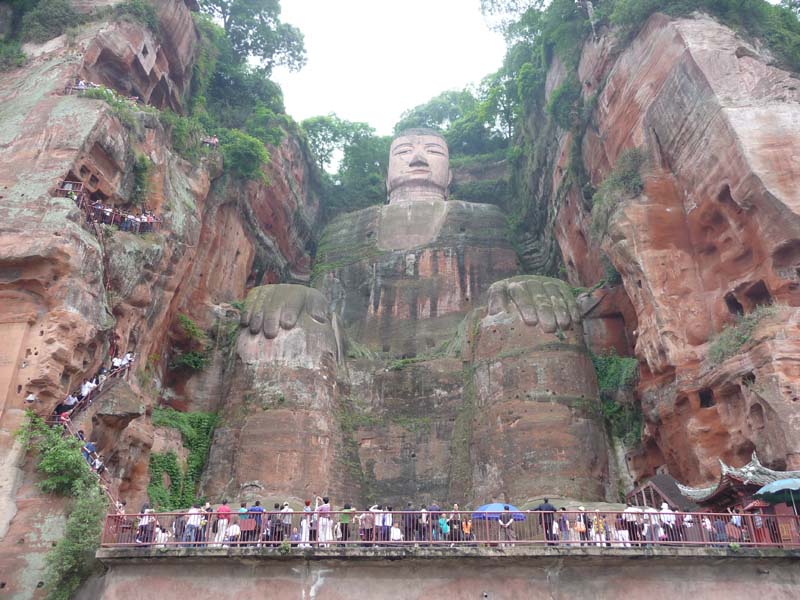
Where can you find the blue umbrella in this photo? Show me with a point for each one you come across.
(492, 512)
(782, 490)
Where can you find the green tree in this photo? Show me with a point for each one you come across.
(255, 30)
(438, 112)
(329, 134)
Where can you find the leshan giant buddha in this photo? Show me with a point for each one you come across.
(421, 390)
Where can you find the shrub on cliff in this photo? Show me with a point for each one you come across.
(48, 19)
(66, 472)
(733, 337)
(197, 430)
(138, 10)
(625, 181)
(11, 56)
(244, 155)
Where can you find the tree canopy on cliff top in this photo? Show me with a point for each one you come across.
(255, 30)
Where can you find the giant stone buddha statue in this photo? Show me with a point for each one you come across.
(421, 365)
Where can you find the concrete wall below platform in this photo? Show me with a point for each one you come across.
(517, 574)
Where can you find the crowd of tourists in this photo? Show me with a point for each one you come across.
(137, 221)
(83, 395)
(321, 526)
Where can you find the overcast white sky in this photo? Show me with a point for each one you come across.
(369, 60)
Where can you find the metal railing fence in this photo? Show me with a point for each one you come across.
(605, 529)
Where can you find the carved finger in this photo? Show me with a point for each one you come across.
(272, 313)
(518, 290)
(291, 299)
(498, 298)
(254, 313)
(572, 305)
(317, 306)
(560, 310)
(544, 306)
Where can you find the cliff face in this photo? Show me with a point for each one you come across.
(413, 362)
(70, 291)
(713, 236)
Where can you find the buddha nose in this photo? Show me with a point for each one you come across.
(418, 160)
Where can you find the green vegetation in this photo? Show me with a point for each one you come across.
(360, 179)
(614, 373)
(48, 19)
(625, 181)
(732, 338)
(11, 56)
(66, 472)
(492, 191)
(186, 135)
(138, 10)
(563, 102)
(192, 350)
(244, 155)
(124, 109)
(256, 31)
(142, 168)
(197, 430)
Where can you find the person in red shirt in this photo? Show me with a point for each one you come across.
(223, 518)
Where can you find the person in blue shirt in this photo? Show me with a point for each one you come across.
(257, 510)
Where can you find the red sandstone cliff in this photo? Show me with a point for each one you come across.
(67, 294)
(714, 235)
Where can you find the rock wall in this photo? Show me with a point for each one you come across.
(70, 292)
(712, 237)
(506, 576)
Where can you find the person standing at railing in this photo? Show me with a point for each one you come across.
(547, 518)
(668, 523)
(507, 533)
(194, 519)
(325, 525)
(144, 529)
(563, 524)
(376, 509)
(286, 517)
(454, 521)
(409, 521)
(305, 525)
(344, 521)
(256, 513)
(423, 525)
(367, 524)
(221, 524)
(599, 529)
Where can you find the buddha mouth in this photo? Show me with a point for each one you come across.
(419, 171)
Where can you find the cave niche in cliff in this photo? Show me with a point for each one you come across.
(707, 399)
(758, 295)
(734, 306)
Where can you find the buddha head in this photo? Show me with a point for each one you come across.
(419, 166)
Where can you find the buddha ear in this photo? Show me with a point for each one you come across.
(449, 181)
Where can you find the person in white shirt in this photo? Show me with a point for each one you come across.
(286, 519)
(87, 388)
(232, 534)
(116, 362)
(396, 534)
(193, 524)
(668, 523)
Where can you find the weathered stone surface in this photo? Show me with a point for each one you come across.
(282, 389)
(133, 60)
(68, 295)
(537, 428)
(471, 573)
(714, 234)
(402, 277)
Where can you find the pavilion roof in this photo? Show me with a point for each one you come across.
(753, 473)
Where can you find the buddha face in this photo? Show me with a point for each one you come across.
(419, 166)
